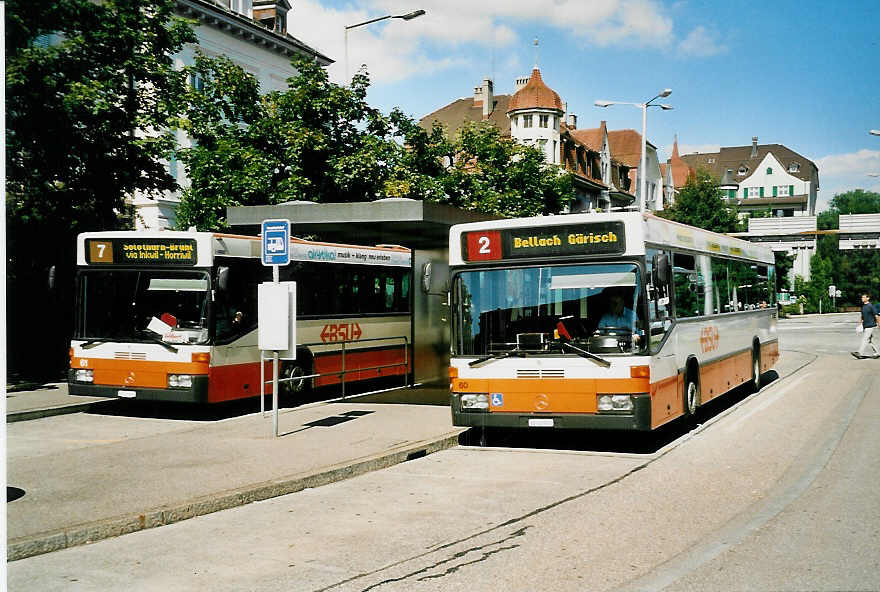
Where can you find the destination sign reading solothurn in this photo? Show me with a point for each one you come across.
(599, 238)
(147, 251)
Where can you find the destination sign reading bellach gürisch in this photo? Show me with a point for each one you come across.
(600, 238)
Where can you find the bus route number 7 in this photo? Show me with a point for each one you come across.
(483, 246)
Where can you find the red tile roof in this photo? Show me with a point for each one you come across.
(535, 94)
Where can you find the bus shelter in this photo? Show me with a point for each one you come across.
(420, 226)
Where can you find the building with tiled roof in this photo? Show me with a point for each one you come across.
(536, 115)
(766, 177)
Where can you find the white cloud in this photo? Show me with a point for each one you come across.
(445, 37)
(859, 163)
(839, 173)
(702, 42)
(694, 148)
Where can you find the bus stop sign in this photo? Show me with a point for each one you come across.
(276, 242)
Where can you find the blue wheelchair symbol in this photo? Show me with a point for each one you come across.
(497, 400)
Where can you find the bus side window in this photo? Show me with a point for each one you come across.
(688, 287)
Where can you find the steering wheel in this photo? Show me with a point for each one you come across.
(621, 331)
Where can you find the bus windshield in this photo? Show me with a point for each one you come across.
(595, 307)
(143, 305)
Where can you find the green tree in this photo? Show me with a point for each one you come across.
(82, 77)
(699, 204)
(321, 142)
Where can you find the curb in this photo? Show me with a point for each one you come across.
(90, 532)
(14, 416)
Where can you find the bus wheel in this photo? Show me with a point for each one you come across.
(756, 370)
(691, 395)
(297, 386)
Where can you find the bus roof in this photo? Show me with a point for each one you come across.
(597, 234)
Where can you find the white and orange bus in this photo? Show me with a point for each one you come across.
(172, 316)
(612, 321)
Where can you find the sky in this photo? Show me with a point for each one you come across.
(803, 74)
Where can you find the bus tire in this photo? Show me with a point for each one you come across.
(294, 388)
(756, 368)
(691, 393)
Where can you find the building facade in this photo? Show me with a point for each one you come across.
(766, 179)
(251, 33)
(534, 114)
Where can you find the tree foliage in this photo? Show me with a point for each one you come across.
(81, 78)
(700, 204)
(321, 142)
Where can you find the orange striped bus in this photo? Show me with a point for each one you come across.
(172, 316)
(612, 321)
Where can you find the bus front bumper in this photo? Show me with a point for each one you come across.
(197, 393)
(639, 419)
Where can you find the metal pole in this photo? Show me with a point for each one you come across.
(643, 181)
(345, 82)
(275, 392)
(343, 370)
(262, 385)
(275, 278)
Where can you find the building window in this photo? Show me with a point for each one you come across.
(555, 151)
(794, 167)
(555, 123)
(754, 192)
(196, 82)
(782, 191)
(711, 161)
(543, 120)
(527, 121)
(769, 171)
(743, 170)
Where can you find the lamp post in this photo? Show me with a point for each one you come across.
(875, 132)
(644, 159)
(406, 17)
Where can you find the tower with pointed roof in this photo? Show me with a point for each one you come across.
(535, 112)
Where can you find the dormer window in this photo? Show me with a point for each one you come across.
(711, 161)
(743, 170)
(794, 167)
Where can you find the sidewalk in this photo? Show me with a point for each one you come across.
(89, 476)
(46, 400)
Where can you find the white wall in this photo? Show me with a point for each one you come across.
(271, 70)
(531, 135)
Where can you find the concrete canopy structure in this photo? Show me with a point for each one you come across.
(398, 221)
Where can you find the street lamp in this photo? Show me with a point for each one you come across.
(874, 132)
(644, 159)
(406, 17)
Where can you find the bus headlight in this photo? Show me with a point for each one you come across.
(86, 375)
(475, 401)
(180, 381)
(614, 403)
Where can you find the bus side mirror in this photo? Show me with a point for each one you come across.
(223, 279)
(660, 269)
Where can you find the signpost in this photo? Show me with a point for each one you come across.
(276, 306)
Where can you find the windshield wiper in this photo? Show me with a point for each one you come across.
(94, 342)
(585, 354)
(167, 346)
(493, 357)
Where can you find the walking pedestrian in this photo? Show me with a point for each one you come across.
(870, 337)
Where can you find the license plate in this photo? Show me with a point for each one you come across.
(126, 394)
(541, 423)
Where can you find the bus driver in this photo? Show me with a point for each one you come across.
(618, 316)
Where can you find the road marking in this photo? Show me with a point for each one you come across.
(766, 402)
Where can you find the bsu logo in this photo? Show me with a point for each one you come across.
(709, 339)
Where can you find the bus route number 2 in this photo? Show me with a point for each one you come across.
(484, 246)
(341, 332)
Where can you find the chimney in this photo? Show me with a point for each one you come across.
(520, 82)
(478, 96)
(572, 121)
(754, 147)
(488, 98)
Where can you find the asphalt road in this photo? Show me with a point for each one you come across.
(772, 491)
